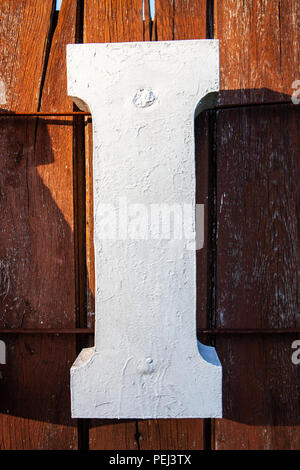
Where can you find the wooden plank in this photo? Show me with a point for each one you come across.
(37, 249)
(164, 15)
(258, 49)
(203, 183)
(148, 24)
(171, 434)
(257, 276)
(24, 33)
(35, 395)
(180, 19)
(117, 21)
(257, 194)
(261, 406)
(90, 259)
(58, 178)
(107, 21)
(184, 20)
(113, 435)
(258, 191)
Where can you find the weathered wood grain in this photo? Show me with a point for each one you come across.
(113, 434)
(37, 249)
(113, 21)
(169, 434)
(180, 19)
(257, 275)
(258, 195)
(203, 184)
(259, 51)
(260, 394)
(24, 33)
(90, 258)
(257, 217)
(35, 395)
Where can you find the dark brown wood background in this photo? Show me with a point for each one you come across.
(247, 163)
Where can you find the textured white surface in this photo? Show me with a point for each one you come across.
(147, 362)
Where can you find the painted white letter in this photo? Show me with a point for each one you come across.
(147, 362)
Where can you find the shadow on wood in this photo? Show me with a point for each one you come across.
(248, 270)
(37, 284)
